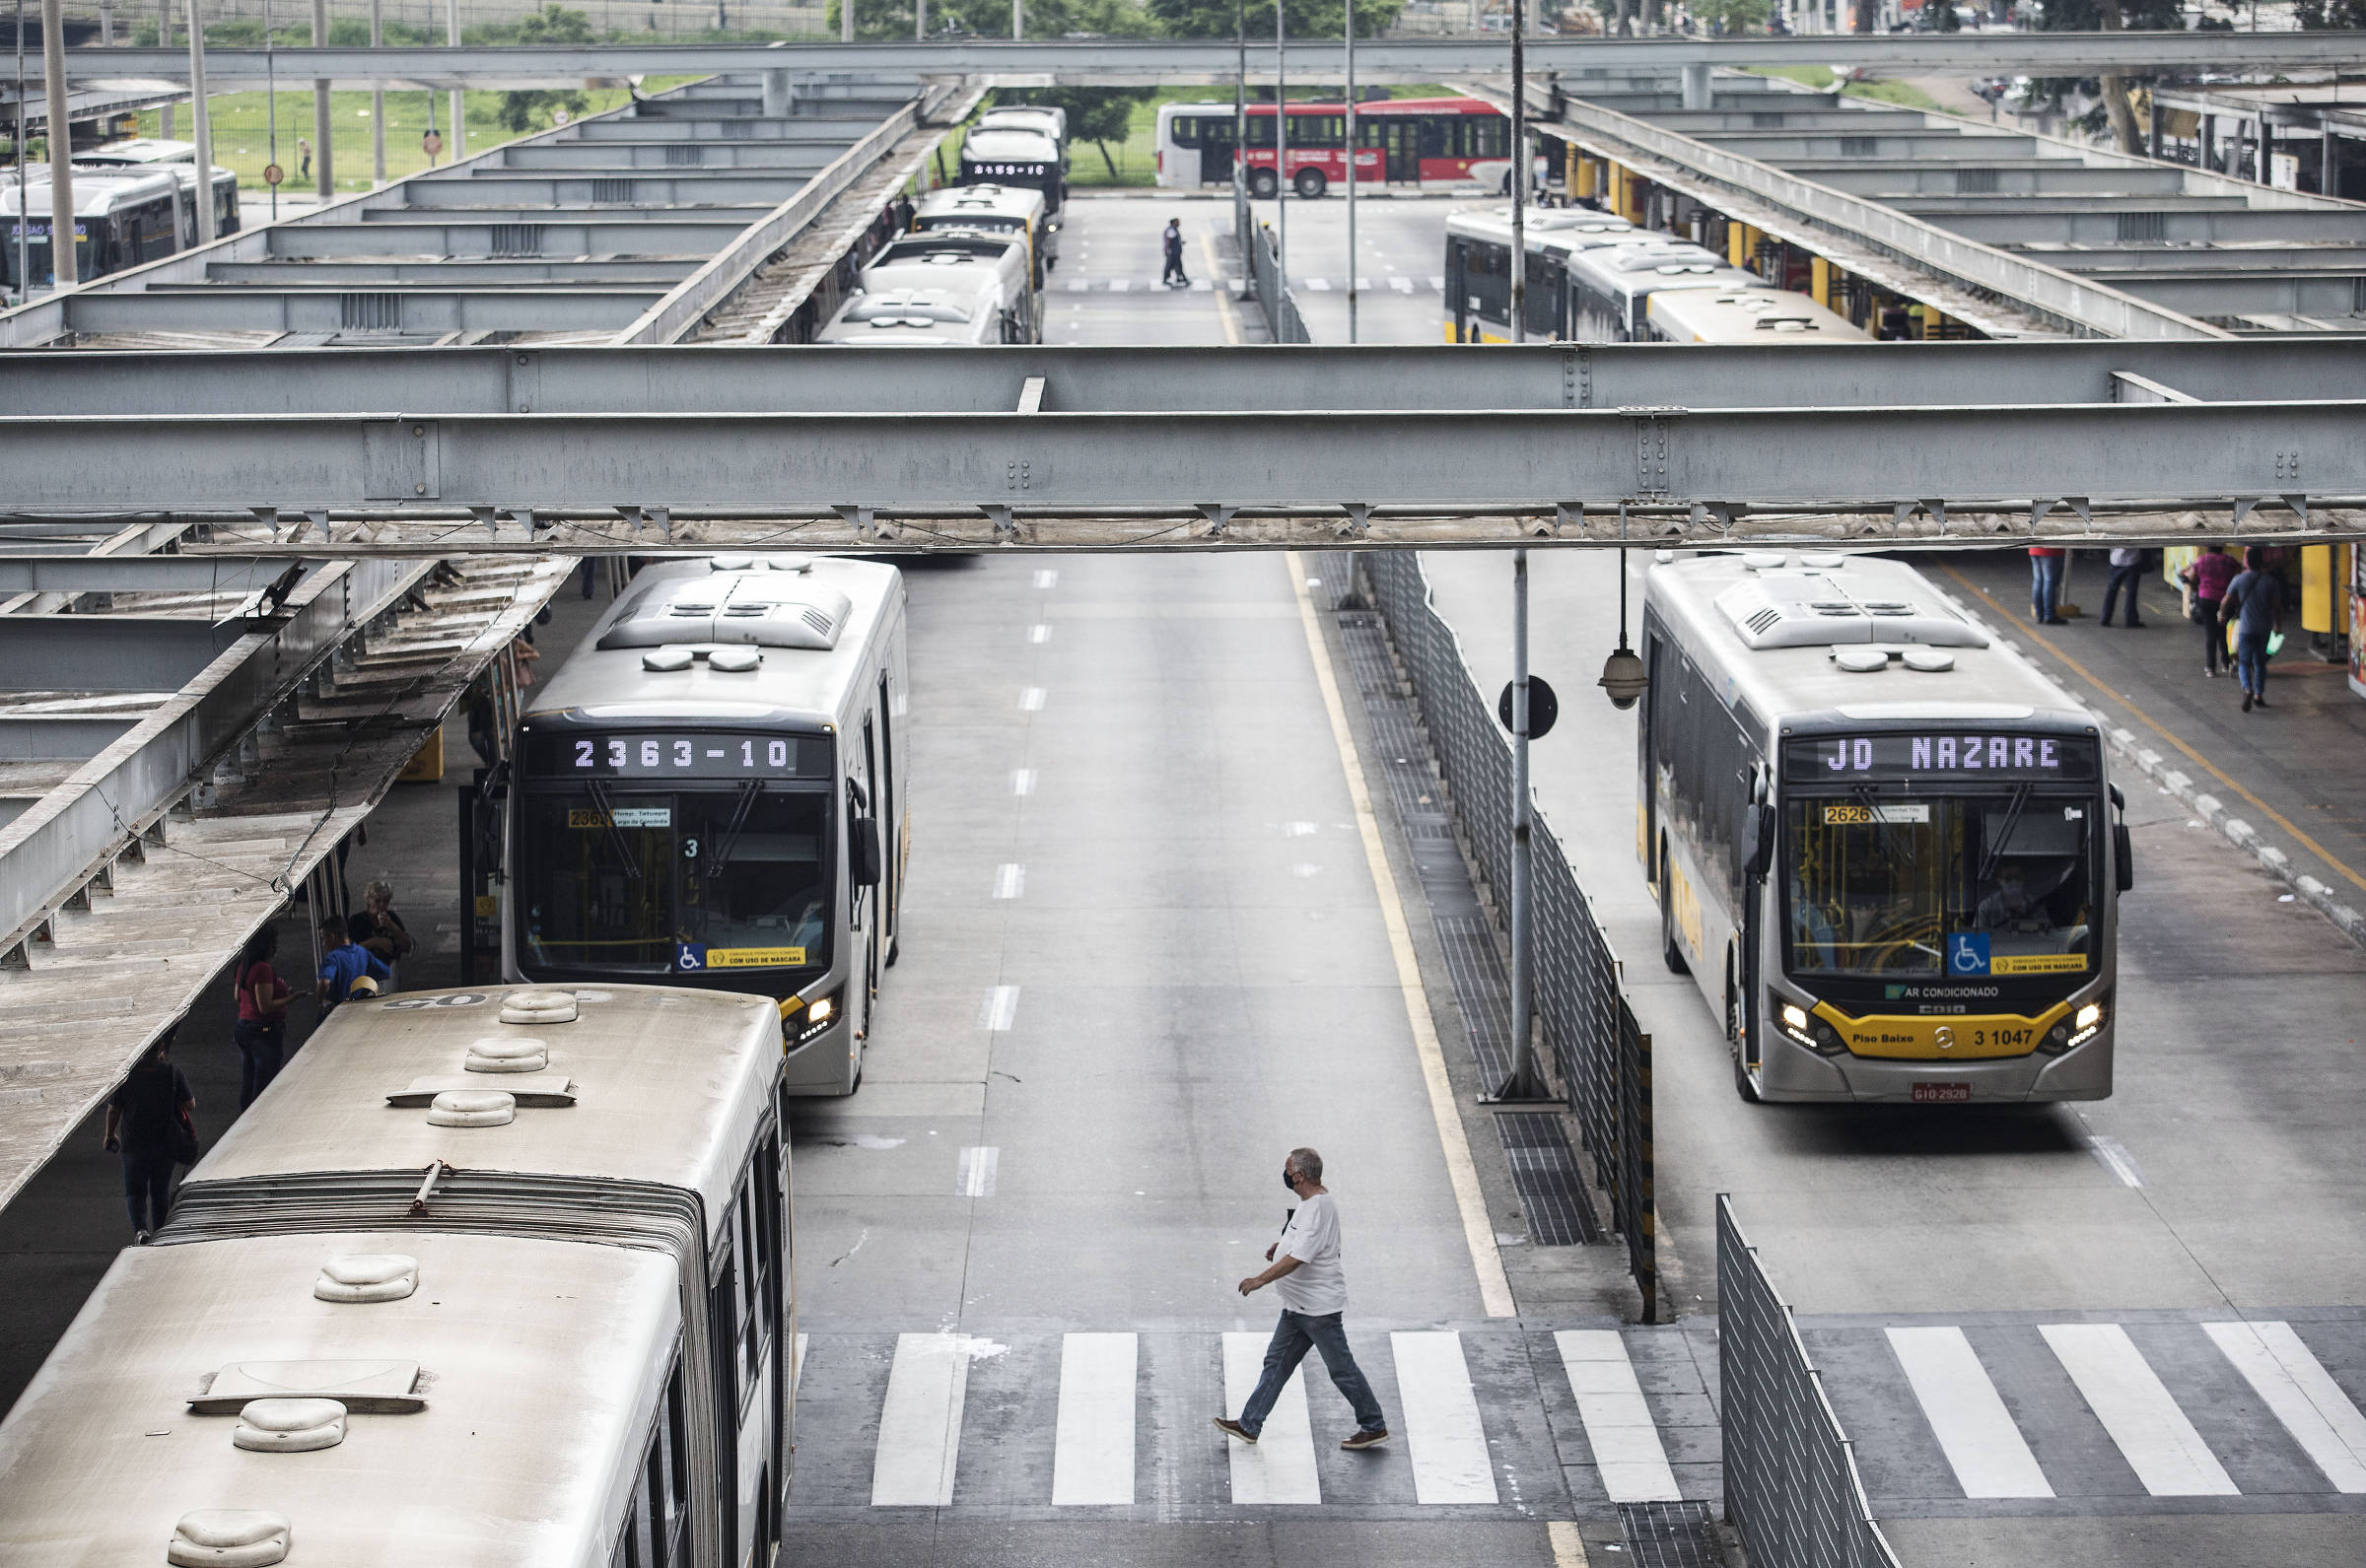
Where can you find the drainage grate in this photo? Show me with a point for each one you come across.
(1670, 1535)
(611, 190)
(1481, 987)
(1536, 1145)
(370, 312)
(2143, 225)
(1976, 181)
(517, 240)
(1860, 146)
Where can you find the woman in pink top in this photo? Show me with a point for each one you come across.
(261, 1030)
(2207, 574)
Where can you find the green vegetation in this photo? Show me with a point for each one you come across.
(1819, 77)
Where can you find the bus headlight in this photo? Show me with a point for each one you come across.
(1812, 1032)
(2078, 1029)
(802, 1021)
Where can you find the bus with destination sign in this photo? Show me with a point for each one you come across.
(709, 792)
(1884, 845)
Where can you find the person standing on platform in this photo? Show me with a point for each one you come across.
(2207, 575)
(151, 1123)
(1172, 242)
(2127, 569)
(261, 1032)
(375, 927)
(2255, 601)
(1314, 1294)
(2046, 585)
(345, 965)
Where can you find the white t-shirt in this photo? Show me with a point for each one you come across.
(1318, 1286)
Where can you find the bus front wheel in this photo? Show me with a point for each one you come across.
(1309, 184)
(1263, 185)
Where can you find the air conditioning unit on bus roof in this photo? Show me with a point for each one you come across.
(1797, 609)
(765, 609)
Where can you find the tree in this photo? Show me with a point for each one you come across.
(2317, 15)
(1726, 17)
(1305, 19)
(2108, 16)
(521, 111)
(1942, 15)
(1096, 115)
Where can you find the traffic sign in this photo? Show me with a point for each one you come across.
(1542, 708)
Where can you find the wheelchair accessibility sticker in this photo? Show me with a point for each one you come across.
(691, 956)
(1968, 953)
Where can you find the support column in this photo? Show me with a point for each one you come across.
(378, 101)
(1820, 280)
(1697, 94)
(324, 128)
(201, 129)
(63, 262)
(776, 95)
(163, 40)
(2329, 159)
(460, 100)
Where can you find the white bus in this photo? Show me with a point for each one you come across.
(943, 288)
(485, 1277)
(992, 210)
(1885, 847)
(711, 792)
(1589, 275)
(1744, 315)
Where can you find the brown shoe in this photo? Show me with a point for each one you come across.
(1370, 1437)
(1232, 1428)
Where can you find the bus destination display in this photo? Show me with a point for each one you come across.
(1919, 758)
(653, 754)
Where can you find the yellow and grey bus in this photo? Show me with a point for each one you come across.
(1884, 845)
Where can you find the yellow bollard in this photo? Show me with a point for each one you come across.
(1820, 284)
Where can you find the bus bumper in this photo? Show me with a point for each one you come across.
(825, 1065)
(1790, 1072)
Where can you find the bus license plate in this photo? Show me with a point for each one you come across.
(1941, 1093)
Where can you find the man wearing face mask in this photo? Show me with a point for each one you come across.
(1314, 1293)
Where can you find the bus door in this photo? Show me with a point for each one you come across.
(1400, 142)
(1215, 151)
(881, 809)
(1757, 852)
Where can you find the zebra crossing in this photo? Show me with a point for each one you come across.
(2026, 1413)
(1486, 1422)
(1395, 283)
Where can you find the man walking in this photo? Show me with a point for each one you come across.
(2127, 569)
(1314, 1293)
(1173, 240)
(2255, 601)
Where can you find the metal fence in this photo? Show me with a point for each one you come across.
(1260, 255)
(1601, 1057)
(1791, 1486)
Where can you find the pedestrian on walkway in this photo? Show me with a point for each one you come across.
(261, 1032)
(2046, 585)
(375, 927)
(1172, 240)
(304, 158)
(345, 965)
(1314, 1293)
(2127, 569)
(2255, 601)
(151, 1122)
(2207, 575)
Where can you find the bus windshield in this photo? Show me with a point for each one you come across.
(622, 880)
(1995, 884)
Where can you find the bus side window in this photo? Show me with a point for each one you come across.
(651, 1535)
(1187, 130)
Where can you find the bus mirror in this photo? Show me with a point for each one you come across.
(2123, 864)
(1758, 842)
(862, 851)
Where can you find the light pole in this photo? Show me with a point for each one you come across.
(64, 264)
(1351, 149)
(1280, 154)
(201, 127)
(323, 127)
(377, 100)
(1519, 212)
(459, 99)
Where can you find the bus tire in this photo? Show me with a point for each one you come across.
(895, 949)
(1671, 952)
(1263, 185)
(1309, 184)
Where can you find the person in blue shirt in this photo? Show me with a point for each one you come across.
(343, 962)
(2254, 602)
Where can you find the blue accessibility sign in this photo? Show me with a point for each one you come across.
(692, 956)
(1968, 953)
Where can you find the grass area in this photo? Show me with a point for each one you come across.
(242, 130)
(1819, 77)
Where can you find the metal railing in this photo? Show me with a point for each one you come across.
(1602, 1058)
(1262, 259)
(1791, 1484)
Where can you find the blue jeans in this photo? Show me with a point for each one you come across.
(2045, 585)
(2251, 663)
(260, 1046)
(147, 1187)
(1293, 1336)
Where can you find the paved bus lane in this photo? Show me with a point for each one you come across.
(2218, 1182)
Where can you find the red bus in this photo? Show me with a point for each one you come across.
(1403, 140)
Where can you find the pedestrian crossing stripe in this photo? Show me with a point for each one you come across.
(1397, 283)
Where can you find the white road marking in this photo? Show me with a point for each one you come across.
(1618, 1422)
(1119, 284)
(975, 1172)
(1967, 1416)
(797, 1367)
(1030, 700)
(1442, 1429)
(1316, 285)
(1092, 1451)
(1568, 1547)
(1009, 880)
(1401, 285)
(2116, 1159)
(1437, 283)
(1077, 285)
(1022, 781)
(1001, 1008)
(1477, 1234)
(1363, 285)
(1047, 577)
(1280, 1466)
(2126, 1396)
(2303, 1394)
(1039, 633)
(1201, 286)
(1297, 829)
(919, 1427)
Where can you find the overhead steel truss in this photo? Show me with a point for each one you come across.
(586, 451)
(1129, 61)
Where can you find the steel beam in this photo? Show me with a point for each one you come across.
(1433, 461)
(43, 573)
(1121, 62)
(394, 309)
(1440, 377)
(106, 652)
(690, 235)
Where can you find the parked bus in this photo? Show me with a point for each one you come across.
(992, 210)
(941, 288)
(711, 792)
(1884, 845)
(1744, 315)
(1016, 155)
(1404, 141)
(179, 158)
(1590, 276)
(122, 218)
(485, 1277)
